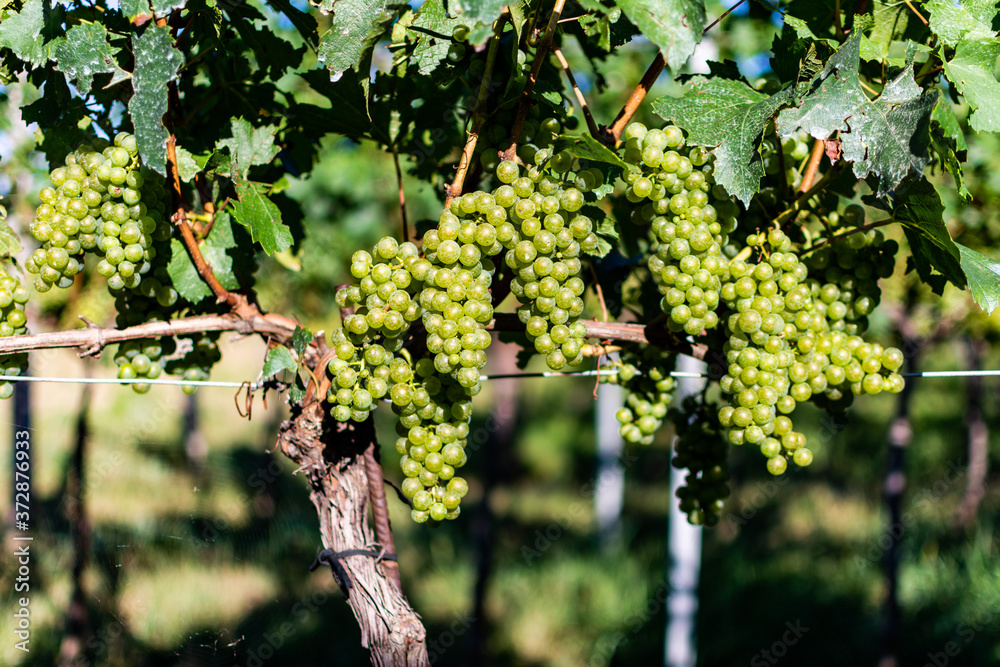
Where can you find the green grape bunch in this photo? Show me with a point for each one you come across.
(13, 322)
(644, 374)
(673, 193)
(102, 201)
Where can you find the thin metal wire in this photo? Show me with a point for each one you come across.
(254, 386)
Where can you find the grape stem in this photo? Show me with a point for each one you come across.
(402, 194)
(536, 66)
(610, 135)
(591, 124)
(796, 206)
(478, 116)
(813, 167)
(849, 232)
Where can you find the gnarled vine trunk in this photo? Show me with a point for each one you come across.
(332, 456)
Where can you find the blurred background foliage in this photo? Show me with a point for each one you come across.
(202, 536)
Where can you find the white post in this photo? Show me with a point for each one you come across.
(684, 553)
(610, 493)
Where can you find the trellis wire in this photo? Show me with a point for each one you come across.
(254, 386)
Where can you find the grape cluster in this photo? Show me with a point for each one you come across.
(674, 193)
(782, 351)
(101, 200)
(648, 391)
(13, 322)
(700, 450)
(794, 151)
(544, 232)
(196, 363)
(847, 273)
(365, 367)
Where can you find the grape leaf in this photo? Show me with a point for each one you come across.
(10, 242)
(887, 137)
(249, 146)
(948, 141)
(971, 71)
(303, 22)
(727, 116)
(156, 64)
(356, 27)
(432, 27)
(952, 23)
(133, 8)
(483, 11)
(675, 26)
(85, 52)
(261, 217)
(984, 277)
(164, 7)
(22, 33)
(187, 166)
(183, 274)
(301, 338)
(278, 359)
(586, 147)
(917, 206)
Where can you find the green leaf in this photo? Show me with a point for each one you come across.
(261, 217)
(85, 52)
(10, 242)
(586, 147)
(22, 33)
(249, 146)
(216, 251)
(356, 27)
(675, 26)
(948, 141)
(156, 64)
(298, 390)
(984, 277)
(164, 7)
(483, 11)
(917, 206)
(888, 137)
(184, 275)
(278, 359)
(301, 338)
(133, 8)
(971, 71)
(347, 114)
(728, 116)
(432, 27)
(952, 23)
(187, 166)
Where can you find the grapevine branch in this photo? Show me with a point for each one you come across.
(812, 168)
(591, 124)
(536, 66)
(612, 134)
(93, 338)
(478, 116)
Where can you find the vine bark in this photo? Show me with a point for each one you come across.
(332, 457)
